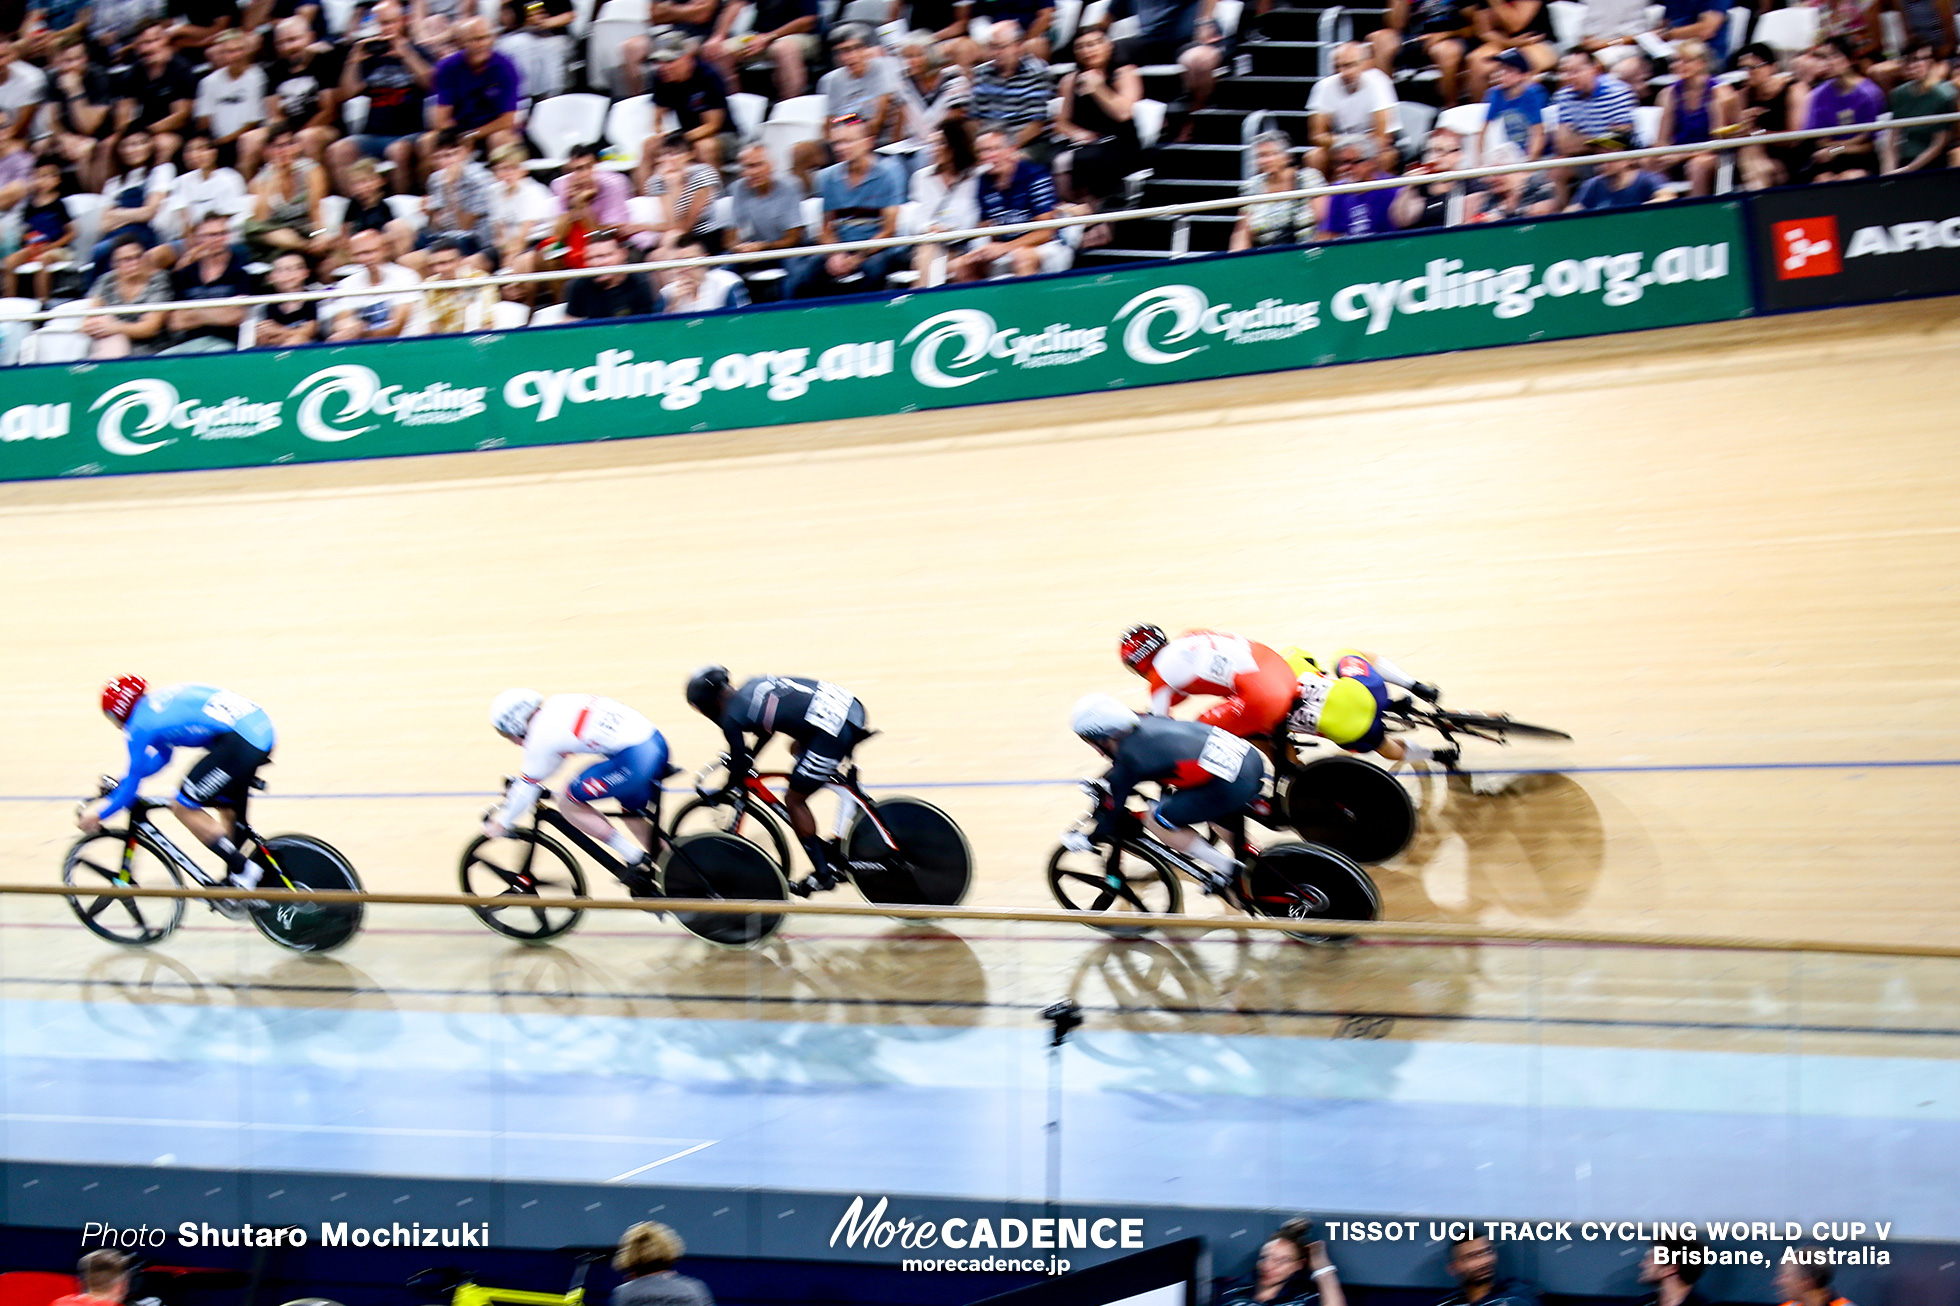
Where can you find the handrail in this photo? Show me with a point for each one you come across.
(79, 309)
(1468, 933)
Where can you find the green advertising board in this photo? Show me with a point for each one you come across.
(1302, 307)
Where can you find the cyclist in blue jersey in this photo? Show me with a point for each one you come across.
(237, 738)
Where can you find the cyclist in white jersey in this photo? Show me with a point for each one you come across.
(632, 762)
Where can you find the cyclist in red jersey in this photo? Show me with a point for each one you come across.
(1255, 683)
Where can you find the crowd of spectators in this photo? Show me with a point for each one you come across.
(287, 145)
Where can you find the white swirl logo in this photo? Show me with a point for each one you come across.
(973, 329)
(1185, 305)
(354, 386)
(156, 399)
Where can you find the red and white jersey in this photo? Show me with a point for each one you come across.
(1206, 662)
(566, 724)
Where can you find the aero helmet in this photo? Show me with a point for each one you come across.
(705, 688)
(119, 697)
(1100, 716)
(1140, 644)
(512, 710)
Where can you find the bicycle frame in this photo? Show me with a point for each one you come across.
(851, 798)
(546, 813)
(475, 1294)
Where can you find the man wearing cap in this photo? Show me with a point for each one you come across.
(686, 87)
(1517, 103)
(1619, 184)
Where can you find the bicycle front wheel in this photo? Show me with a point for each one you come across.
(534, 873)
(1139, 880)
(934, 867)
(1351, 806)
(112, 859)
(747, 820)
(299, 861)
(715, 865)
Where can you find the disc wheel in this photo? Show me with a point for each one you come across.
(934, 866)
(1139, 881)
(747, 819)
(1357, 809)
(535, 874)
(1304, 881)
(716, 865)
(299, 861)
(112, 860)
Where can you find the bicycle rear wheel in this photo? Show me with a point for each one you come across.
(299, 861)
(1304, 881)
(1500, 728)
(935, 867)
(716, 865)
(111, 860)
(748, 820)
(1141, 881)
(532, 871)
(1351, 806)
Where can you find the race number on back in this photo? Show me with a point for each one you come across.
(1223, 755)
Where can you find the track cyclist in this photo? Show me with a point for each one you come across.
(826, 723)
(1208, 773)
(632, 763)
(1345, 705)
(237, 738)
(1256, 684)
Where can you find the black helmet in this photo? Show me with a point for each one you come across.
(704, 690)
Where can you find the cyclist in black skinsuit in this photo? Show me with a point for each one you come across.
(1211, 775)
(825, 722)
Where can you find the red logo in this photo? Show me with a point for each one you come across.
(1807, 247)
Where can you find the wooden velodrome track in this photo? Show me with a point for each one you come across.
(1730, 547)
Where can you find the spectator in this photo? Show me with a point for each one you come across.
(104, 1276)
(293, 321)
(286, 197)
(1855, 22)
(367, 210)
(1291, 1271)
(45, 230)
(77, 116)
(457, 310)
(864, 84)
(687, 190)
(1590, 104)
(931, 91)
(645, 1258)
(436, 34)
(1706, 21)
(302, 82)
(1012, 189)
(458, 204)
(1617, 183)
(784, 32)
(1843, 98)
(1636, 71)
(765, 210)
(1180, 32)
(1511, 194)
(861, 197)
(1673, 1282)
(22, 86)
(136, 195)
(1808, 1285)
(1510, 27)
(945, 197)
(522, 209)
(203, 187)
(1473, 1264)
(1924, 93)
(1278, 222)
(1012, 89)
(689, 89)
(1442, 31)
(1928, 22)
(395, 75)
(200, 22)
(477, 90)
(700, 289)
(609, 295)
(537, 39)
(1694, 110)
(1611, 27)
(581, 219)
(157, 91)
(376, 316)
(1517, 103)
(1098, 101)
(1035, 18)
(115, 25)
(1358, 213)
(1358, 100)
(1770, 100)
(608, 190)
(211, 269)
(231, 101)
(1433, 203)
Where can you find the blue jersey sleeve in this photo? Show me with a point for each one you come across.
(146, 758)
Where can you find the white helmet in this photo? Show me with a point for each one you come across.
(512, 710)
(1100, 716)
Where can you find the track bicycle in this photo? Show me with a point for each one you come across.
(898, 851)
(140, 855)
(464, 1290)
(537, 875)
(1290, 880)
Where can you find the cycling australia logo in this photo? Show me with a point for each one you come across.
(956, 348)
(141, 416)
(1163, 325)
(333, 400)
(1807, 247)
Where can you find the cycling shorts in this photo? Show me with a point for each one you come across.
(1352, 716)
(223, 776)
(1214, 800)
(1264, 696)
(630, 776)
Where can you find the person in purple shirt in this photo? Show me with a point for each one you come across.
(1842, 98)
(477, 90)
(1358, 213)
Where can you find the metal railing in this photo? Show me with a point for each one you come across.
(81, 309)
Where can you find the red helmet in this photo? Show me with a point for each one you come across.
(119, 697)
(1140, 644)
